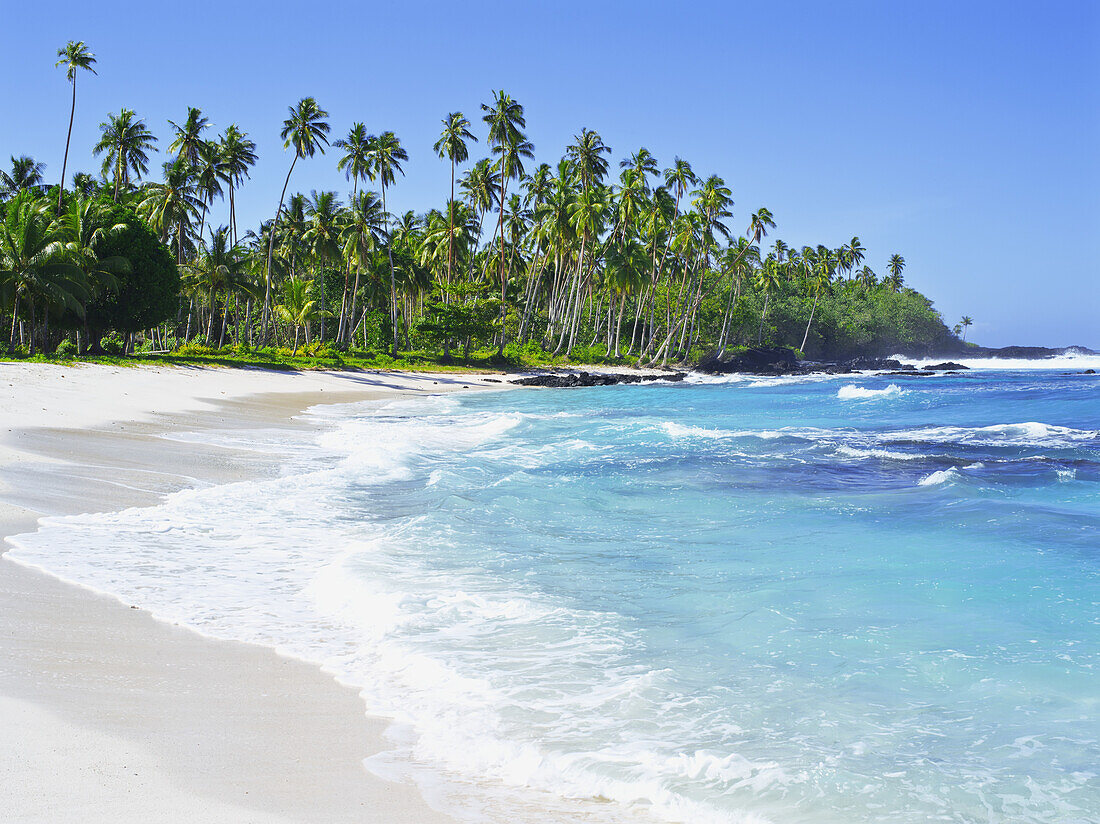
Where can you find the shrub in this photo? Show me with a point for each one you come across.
(195, 347)
(113, 344)
(65, 349)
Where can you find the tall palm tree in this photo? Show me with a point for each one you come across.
(355, 162)
(126, 142)
(188, 141)
(966, 323)
(643, 163)
(506, 123)
(361, 233)
(322, 237)
(238, 155)
(307, 131)
(74, 56)
(386, 157)
(26, 174)
(452, 145)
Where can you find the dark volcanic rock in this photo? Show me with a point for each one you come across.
(863, 363)
(574, 379)
(939, 367)
(763, 360)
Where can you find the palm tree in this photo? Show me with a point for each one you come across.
(895, 267)
(238, 155)
(125, 140)
(306, 130)
(221, 267)
(355, 163)
(298, 307)
(506, 123)
(817, 278)
(172, 206)
(452, 145)
(25, 174)
(386, 157)
(188, 142)
(768, 279)
(643, 163)
(966, 323)
(322, 237)
(74, 56)
(361, 233)
(34, 267)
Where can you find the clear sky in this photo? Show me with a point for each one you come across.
(963, 135)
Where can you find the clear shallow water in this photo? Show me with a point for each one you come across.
(816, 600)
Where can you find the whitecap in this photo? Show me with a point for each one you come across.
(852, 392)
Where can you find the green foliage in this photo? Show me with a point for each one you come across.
(149, 293)
(65, 349)
(113, 344)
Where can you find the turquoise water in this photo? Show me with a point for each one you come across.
(793, 600)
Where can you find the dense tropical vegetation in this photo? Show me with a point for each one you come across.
(523, 260)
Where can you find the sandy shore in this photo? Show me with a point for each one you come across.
(109, 716)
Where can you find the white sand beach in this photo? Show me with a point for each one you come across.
(107, 715)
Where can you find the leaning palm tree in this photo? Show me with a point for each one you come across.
(386, 157)
(126, 142)
(817, 278)
(966, 323)
(74, 56)
(452, 145)
(307, 131)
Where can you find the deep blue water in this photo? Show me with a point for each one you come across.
(810, 600)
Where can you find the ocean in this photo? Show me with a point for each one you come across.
(816, 599)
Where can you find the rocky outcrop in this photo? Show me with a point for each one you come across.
(571, 380)
(762, 360)
(940, 367)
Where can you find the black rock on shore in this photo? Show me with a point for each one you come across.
(574, 379)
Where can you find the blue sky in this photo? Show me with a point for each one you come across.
(963, 135)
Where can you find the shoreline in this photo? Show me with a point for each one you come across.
(111, 715)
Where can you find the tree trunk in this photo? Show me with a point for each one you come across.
(65, 162)
(817, 292)
(266, 319)
(393, 277)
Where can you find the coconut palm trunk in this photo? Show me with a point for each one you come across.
(805, 337)
(68, 138)
(266, 320)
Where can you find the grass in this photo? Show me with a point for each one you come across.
(328, 358)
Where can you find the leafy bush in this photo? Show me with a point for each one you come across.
(195, 347)
(113, 344)
(65, 349)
